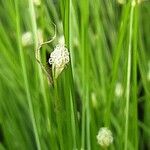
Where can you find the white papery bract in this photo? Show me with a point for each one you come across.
(59, 58)
(61, 40)
(104, 137)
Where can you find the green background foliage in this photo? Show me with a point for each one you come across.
(109, 44)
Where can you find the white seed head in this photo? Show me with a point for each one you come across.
(118, 89)
(59, 58)
(104, 137)
(27, 38)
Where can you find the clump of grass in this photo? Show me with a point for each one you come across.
(105, 83)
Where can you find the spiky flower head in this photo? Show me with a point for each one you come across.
(59, 58)
(104, 137)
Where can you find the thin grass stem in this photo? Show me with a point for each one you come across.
(128, 88)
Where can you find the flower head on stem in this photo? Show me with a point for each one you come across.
(59, 58)
(104, 137)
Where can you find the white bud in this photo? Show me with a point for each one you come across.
(27, 38)
(118, 89)
(104, 137)
(133, 3)
(59, 58)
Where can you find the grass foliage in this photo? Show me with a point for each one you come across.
(109, 46)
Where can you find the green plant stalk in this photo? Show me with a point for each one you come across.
(128, 78)
(58, 109)
(135, 89)
(85, 135)
(25, 76)
(70, 95)
(116, 59)
(83, 81)
(100, 54)
(73, 122)
(43, 89)
(88, 116)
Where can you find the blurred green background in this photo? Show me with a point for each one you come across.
(106, 83)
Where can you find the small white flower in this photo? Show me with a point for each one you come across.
(59, 58)
(104, 137)
(27, 38)
(118, 89)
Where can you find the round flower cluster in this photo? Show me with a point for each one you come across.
(59, 58)
(104, 137)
